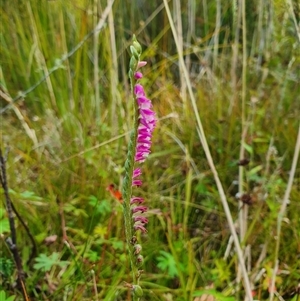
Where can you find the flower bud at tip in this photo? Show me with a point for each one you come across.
(137, 291)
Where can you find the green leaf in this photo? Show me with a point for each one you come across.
(75, 210)
(167, 263)
(25, 195)
(45, 263)
(92, 255)
(295, 298)
(8, 298)
(118, 245)
(4, 226)
(221, 271)
(102, 207)
(248, 148)
(2, 214)
(201, 188)
(6, 267)
(100, 231)
(219, 296)
(255, 170)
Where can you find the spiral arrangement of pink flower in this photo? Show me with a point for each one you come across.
(138, 150)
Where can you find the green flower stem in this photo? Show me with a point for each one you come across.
(129, 168)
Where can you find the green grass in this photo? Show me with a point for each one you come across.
(68, 136)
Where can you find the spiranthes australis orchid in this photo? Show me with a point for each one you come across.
(138, 150)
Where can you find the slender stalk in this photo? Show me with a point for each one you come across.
(205, 16)
(260, 34)
(190, 30)
(40, 57)
(235, 53)
(178, 23)
(217, 34)
(115, 99)
(12, 242)
(96, 63)
(243, 209)
(203, 140)
(127, 191)
(67, 63)
(293, 16)
(30, 132)
(138, 150)
(282, 211)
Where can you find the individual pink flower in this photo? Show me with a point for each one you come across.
(139, 90)
(137, 172)
(141, 64)
(140, 227)
(137, 183)
(138, 75)
(136, 200)
(141, 209)
(141, 219)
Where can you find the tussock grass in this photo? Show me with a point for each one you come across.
(66, 114)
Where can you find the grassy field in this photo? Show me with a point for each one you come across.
(221, 182)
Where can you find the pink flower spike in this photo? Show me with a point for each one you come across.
(138, 75)
(137, 183)
(141, 64)
(141, 209)
(140, 227)
(137, 172)
(136, 200)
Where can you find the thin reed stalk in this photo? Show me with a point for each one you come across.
(243, 209)
(237, 15)
(203, 140)
(96, 62)
(190, 30)
(282, 212)
(40, 57)
(115, 99)
(67, 64)
(178, 24)
(217, 35)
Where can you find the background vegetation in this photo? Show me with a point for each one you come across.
(65, 117)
